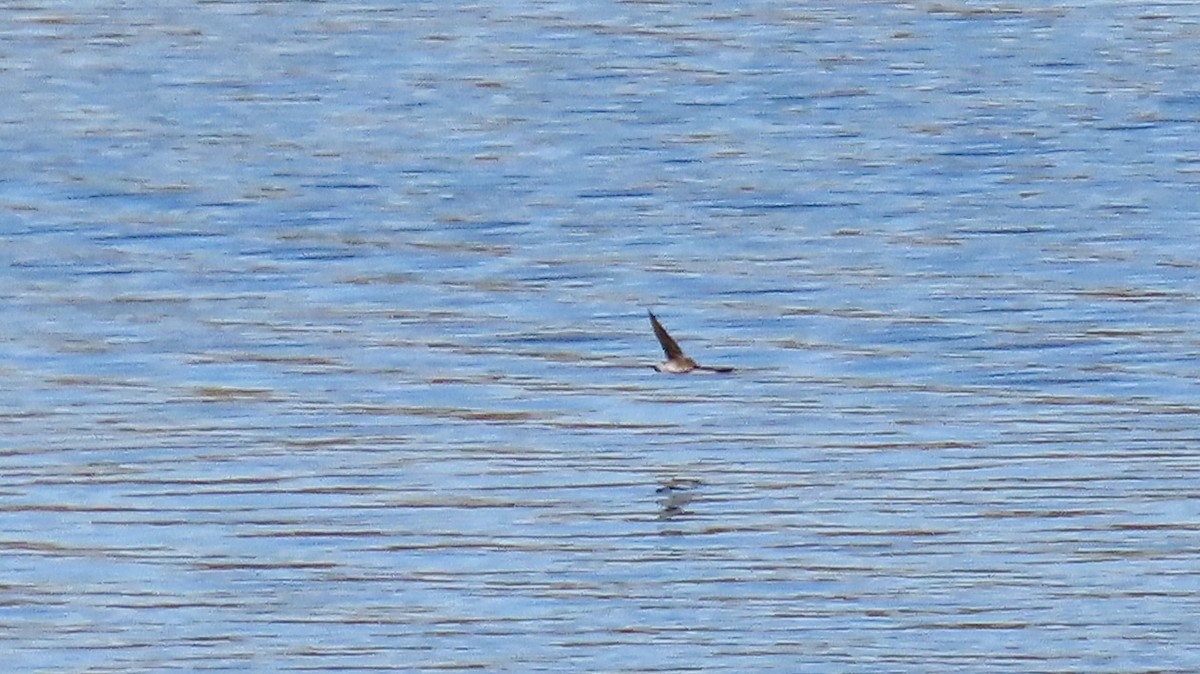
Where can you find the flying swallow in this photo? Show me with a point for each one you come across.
(677, 363)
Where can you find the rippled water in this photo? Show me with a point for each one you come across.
(325, 344)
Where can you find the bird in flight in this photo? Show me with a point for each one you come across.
(677, 363)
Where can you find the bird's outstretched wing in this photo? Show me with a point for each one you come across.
(669, 346)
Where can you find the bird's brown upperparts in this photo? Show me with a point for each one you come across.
(677, 362)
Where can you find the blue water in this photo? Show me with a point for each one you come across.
(325, 344)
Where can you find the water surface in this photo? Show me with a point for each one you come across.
(325, 345)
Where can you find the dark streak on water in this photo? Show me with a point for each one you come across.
(325, 345)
